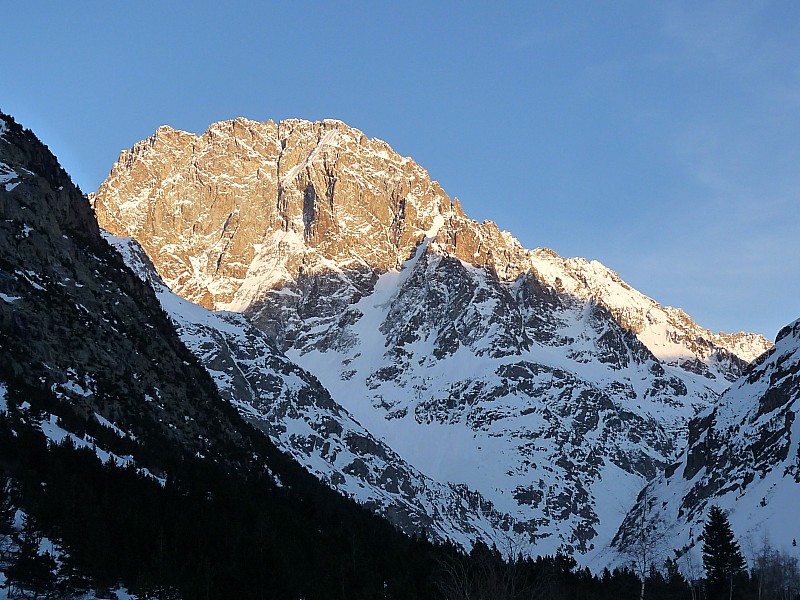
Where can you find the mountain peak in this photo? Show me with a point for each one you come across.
(558, 386)
(248, 208)
(311, 192)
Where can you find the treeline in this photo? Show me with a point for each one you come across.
(208, 533)
(774, 574)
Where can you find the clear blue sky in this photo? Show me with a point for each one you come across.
(662, 139)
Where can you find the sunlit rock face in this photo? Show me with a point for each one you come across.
(248, 206)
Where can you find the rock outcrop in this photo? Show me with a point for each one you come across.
(84, 344)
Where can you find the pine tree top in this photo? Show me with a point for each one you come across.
(722, 556)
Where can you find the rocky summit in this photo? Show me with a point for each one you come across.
(546, 386)
(249, 207)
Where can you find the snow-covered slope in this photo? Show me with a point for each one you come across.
(743, 455)
(298, 414)
(546, 384)
(558, 423)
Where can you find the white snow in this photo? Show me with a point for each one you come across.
(329, 139)
(758, 490)
(267, 269)
(6, 175)
(9, 299)
(122, 593)
(56, 434)
(106, 423)
(30, 277)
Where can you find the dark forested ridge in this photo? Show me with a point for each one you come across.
(206, 532)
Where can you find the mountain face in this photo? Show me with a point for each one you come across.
(249, 208)
(298, 414)
(547, 385)
(743, 455)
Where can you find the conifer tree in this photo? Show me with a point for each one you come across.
(29, 570)
(6, 522)
(722, 558)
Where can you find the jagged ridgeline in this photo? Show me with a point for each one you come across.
(116, 446)
(80, 330)
(545, 390)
